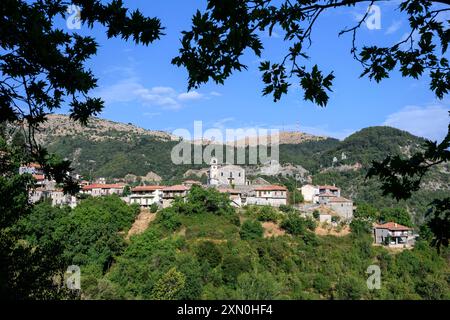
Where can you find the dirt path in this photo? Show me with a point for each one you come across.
(141, 223)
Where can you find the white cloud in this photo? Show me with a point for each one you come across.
(220, 124)
(131, 89)
(215, 94)
(427, 121)
(191, 95)
(151, 114)
(394, 27)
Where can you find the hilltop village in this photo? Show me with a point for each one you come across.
(324, 201)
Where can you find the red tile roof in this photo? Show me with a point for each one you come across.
(271, 188)
(339, 199)
(39, 177)
(102, 186)
(393, 226)
(176, 188)
(329, 187)
(146, 188)
(230, 191)
(327, 195)
(192, 181)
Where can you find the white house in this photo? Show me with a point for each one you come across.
(271, 195)
(308, 192)
(145, 196)
(60, 199)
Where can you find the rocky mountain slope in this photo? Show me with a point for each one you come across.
(58, 126)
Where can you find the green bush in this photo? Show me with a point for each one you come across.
(208, 251)
(267, 213)
(200, 200)
(297, 225)
(234, 219)
(251, 230)
(286, 209)
(232, 267)
(360, 226)
(351, 288)
(316, 214)
(169, 219)
(153, 208)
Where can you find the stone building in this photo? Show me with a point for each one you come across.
(225, 174)
(172, 192)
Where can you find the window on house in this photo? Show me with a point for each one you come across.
(221, 174)
(231, 174)
(239, 174)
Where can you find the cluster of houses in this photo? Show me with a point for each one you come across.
(229, 179)
(328, 197)
(46, 189)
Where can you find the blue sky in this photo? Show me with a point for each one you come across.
(140, 86)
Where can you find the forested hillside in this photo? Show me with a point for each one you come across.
(198, 251)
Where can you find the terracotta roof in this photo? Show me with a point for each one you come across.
(192, 181)
(176, 188)
(231, 191)
(271, 188)
(39, 176)
(147, 188)
(339, 199)
(33, 165)
(329, 187)
(392, 226)
(102, 186)
(327, 195)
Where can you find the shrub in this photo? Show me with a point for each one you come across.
(208, 251)
(350, 288)
(297, 225)
(267, 213)
(316, 214)
(321, 283)
(169, 285)
(232, 267)
(286, 209)
(360, 226)
(295, 197)
(153, 208)
(251, 230)
(200, 200)
(234, 219)
(335, 219)
(169, 219)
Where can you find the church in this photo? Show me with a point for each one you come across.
(228, 174)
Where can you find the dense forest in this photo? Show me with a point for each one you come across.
(205, 249)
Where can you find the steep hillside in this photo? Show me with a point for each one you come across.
(370, 144)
